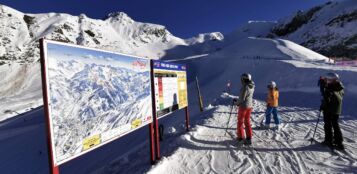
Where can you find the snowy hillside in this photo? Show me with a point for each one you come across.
(215, 59)
(211, 146)
(329, 29)
(19, 51)
(21, 89)
(118, 32)
(209, 149)
(20, 32)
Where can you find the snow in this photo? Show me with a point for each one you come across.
(319, 33)
(252, 28)
(296, 70)
(20, 89)
(215, 36)
(206, 148)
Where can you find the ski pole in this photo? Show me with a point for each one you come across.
(229, 119)
(318, 119)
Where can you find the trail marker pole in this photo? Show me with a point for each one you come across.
(199, 95)
(187, 119)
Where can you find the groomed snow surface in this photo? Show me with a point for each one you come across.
(211, 146)
(207, 149)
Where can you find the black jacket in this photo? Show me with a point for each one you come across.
(332, 98)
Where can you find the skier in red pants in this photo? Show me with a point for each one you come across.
(245, 103)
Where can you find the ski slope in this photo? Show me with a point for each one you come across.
(21, 89)
(211, 145)
(207, 148)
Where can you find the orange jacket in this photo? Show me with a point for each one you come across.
(273, 97)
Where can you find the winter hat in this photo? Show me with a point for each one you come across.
(332, 76)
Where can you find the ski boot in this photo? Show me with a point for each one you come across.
(240, 142)
(339, 146)
(327, 143)
(248, 142)
(265, 126)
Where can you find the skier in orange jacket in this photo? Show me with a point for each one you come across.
(272, 105)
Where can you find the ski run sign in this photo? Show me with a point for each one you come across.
(170, 87)
(92, 97)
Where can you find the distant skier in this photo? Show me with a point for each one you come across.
(331, 106)
(245, 103)
(272, 105)
(229, 87)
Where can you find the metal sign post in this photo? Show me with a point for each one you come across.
(53, 168)
(154, 142)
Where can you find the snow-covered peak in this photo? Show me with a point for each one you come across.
(329, 29)
(5, 10)
(204, 37)
(250, 29)
(118, 32)
(254, 28)
(118, 16)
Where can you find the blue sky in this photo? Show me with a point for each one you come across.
(183, 18)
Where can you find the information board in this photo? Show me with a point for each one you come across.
(170, 83)
(93, 96)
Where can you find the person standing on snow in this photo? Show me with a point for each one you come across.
(272, 105)
(229, 87)
(245, 103)
(331, 106)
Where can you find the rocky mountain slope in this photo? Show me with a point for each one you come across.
(329, 29)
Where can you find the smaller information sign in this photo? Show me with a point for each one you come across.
(170, 87)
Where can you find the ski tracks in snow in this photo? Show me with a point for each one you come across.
(208, 148)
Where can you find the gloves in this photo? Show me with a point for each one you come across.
(235, 102)
(322, 106)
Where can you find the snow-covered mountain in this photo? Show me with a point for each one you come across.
(117, 32)
(329, 29)
(19, 53)
(215, 61)
(19, 34)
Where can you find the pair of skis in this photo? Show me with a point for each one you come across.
(335, 151)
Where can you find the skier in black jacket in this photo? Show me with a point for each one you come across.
(331, 106)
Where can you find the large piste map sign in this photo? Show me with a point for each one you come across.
(170, 83)
(94, 97)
